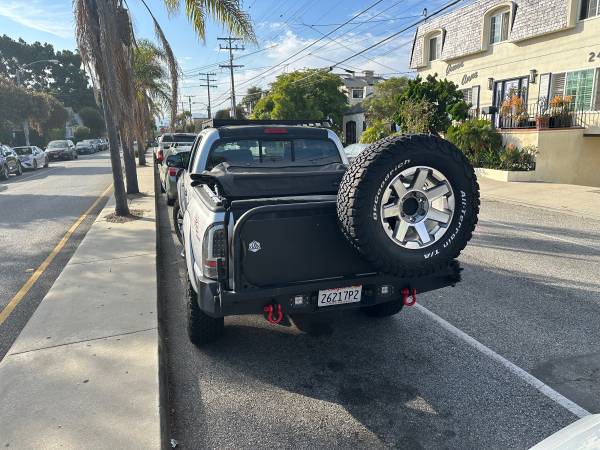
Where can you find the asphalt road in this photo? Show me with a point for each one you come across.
(531, 293)
(36, 210)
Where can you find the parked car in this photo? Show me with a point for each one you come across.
(275, 222)
(169, 169)
(31, 157)
(168, 139)
(353, 150)
(9, 162)
(86, 147)
(62, 149)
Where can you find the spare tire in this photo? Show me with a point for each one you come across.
(409, 204)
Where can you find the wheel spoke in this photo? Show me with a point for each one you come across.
(399, 187)
(422, 232)
(400, 231)
(390, 211)
(437, 192)
(438, 216)
(420, 179)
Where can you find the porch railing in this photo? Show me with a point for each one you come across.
(540, 116)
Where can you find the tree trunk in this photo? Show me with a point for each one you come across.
(121, 206)
(141, 148)
(130, 170)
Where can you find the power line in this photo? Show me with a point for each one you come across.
(231, 66)
(315, 42)
(378, 43)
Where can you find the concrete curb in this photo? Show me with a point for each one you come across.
(84, 371)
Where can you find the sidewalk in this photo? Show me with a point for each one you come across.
(580, 201)
(83, 373)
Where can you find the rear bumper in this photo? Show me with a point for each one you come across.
(218, 302)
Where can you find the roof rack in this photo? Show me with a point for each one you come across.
(217, 123)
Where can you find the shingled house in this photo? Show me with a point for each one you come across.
(533, 67)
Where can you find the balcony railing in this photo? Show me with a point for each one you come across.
(540, 116)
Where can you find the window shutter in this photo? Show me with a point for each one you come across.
(505, 24)
(475, 97)
(557, 84)
(596, 106)
(544, 88)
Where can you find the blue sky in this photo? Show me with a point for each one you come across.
(283, 27)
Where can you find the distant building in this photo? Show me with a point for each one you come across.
(357, 88)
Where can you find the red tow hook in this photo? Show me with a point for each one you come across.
(407, 299)
(269, 309)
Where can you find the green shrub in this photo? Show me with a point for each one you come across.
(81, 133)
(514, 158)
(416, 116)
(477, 139)
(378, 130)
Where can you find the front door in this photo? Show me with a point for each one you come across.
(504, 89)
(350, 132)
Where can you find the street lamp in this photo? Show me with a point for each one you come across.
(19, 70)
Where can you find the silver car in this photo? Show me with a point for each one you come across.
(174, 158)
(31, 157)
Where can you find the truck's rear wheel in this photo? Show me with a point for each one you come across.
(384, 309)
(202, 328)
(409, 204)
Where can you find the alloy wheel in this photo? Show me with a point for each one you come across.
(417, 207)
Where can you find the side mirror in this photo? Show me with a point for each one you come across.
(176, 160)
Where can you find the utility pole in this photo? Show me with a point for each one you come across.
(231, 66)
(190, 103)
(208, 86)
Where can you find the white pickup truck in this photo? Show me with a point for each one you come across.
(274, 221)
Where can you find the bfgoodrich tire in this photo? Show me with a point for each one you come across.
(409, 204)
(202, 329)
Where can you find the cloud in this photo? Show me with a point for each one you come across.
(39, 15)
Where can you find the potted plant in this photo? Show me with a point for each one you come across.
(560, 111)
(513, 110)
(542, 121)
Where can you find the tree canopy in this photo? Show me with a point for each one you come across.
(93, 119)
(66, 81)
(441, 98)
(304, 94)
(383, 104)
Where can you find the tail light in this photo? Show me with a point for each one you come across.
(172, 171)
(214, 250)
(159, 155)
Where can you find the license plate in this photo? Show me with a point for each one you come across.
(340, 296)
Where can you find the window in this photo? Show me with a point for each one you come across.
(434, 47)
(357, 93)
(274, 152)
(580, 85)
(589, 8)
(499, 23)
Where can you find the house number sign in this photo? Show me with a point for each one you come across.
(594, 57)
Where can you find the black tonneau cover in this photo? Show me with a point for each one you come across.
(254, 182)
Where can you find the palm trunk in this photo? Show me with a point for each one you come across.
(141, 148)
(121, 206)
(129, 159)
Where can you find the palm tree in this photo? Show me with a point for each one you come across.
(151, 88)
(227, 12)
(104, 38)
(102, 48)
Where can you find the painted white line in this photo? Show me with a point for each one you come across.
(549, 236)
(516, 370)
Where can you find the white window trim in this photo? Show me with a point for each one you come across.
(593, 108)
(439, 33)
(487, 18)
(580, 7)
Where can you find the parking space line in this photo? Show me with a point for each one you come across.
(12, 304)
(516, 370)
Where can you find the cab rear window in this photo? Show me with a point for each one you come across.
(274, 152)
